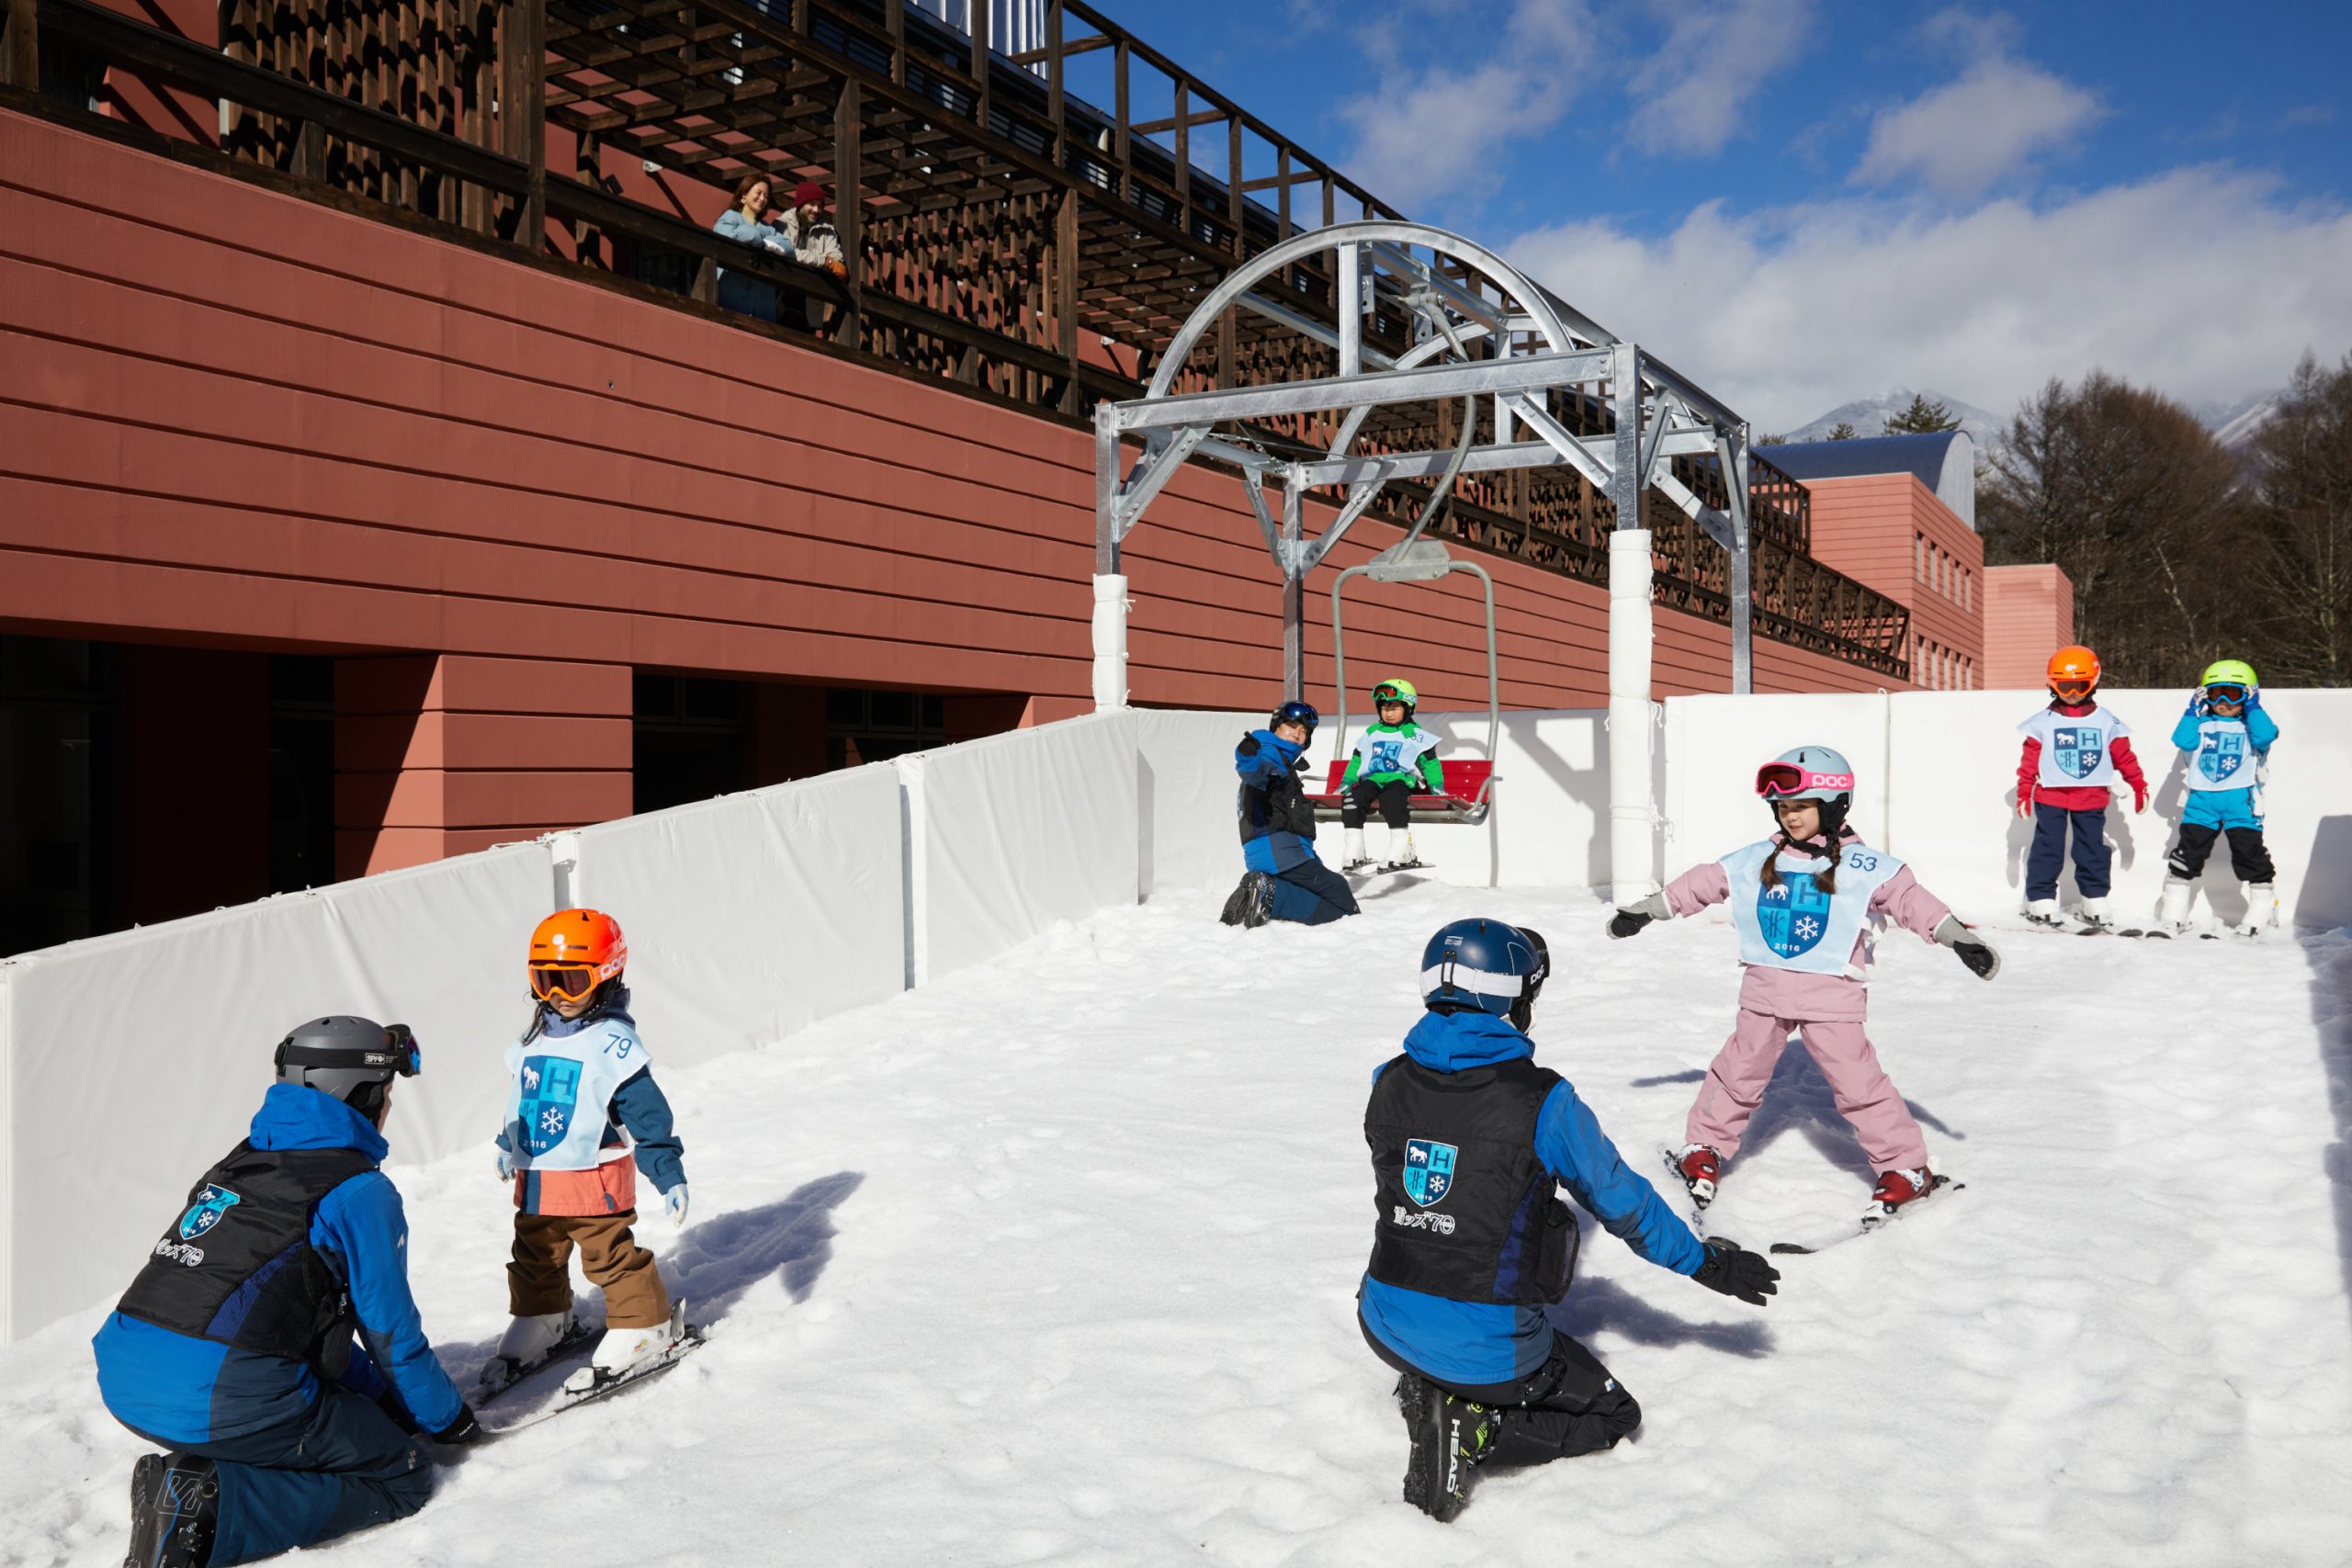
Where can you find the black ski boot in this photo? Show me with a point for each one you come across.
(174, 1509)
(1251, 902)
(1450, 1435)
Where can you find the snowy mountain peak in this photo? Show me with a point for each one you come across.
(1868, 416)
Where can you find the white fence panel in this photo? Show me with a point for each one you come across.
(754, 915)
(1184, 770)
(134, 1061)
(1014, 832)
(1715, 743)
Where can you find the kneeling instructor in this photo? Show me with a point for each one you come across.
(235, 1346)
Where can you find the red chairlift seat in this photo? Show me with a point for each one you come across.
(1467, 785)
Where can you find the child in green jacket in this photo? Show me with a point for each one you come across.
(1394, 760)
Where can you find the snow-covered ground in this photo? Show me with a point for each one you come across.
(1052, 1262)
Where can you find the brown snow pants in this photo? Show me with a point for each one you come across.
(538, 1280)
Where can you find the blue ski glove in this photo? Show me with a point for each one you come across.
(675, 1201)
(505, 1165)
(2198, 706)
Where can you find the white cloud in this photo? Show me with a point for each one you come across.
(2202, 282)
(1694, 93)
(1971, 132)
(1428, 134)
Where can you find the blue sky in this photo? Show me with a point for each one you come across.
(1802, 201)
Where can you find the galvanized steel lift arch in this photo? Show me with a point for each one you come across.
(1533, 345)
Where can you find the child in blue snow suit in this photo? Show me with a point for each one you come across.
(2228, 736)
(1283, 880)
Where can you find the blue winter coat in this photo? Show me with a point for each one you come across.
(1270, 814)
(177, 1388)
(1489, 1342)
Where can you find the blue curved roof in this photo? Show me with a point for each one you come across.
(1945, 462)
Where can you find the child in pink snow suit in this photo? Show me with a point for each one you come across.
(1801, 899)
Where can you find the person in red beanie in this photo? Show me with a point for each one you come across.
(810, 230)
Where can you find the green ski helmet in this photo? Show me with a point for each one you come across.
(2230, 673)
(1394, 689)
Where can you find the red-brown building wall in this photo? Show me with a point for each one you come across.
(1890, 532)
(2028, 614)
(237, 418)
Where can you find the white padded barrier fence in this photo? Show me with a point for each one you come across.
(752, 915)
(1938, 787)
(1013, 833)
(134, 1061)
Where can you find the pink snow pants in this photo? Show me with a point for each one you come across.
(1864, 1094)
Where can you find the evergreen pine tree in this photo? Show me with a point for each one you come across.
(1922, 418)
(1841, 431)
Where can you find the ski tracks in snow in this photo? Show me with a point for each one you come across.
(1053, 1263)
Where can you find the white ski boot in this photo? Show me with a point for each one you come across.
(2093, 912)
(621, 1350)
(528, 1344)
(2261, 908)
(1401, 856)
(2172, 914)
(2045, 912)
(1356, 857)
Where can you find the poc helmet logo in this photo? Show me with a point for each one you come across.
(210, 1204)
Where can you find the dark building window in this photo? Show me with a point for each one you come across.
(59, 878)
(864, 725)
(301, 772)
(693, 738)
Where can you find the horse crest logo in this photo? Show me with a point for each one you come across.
(1794, 916)
(2080, 750)
(544, 1108)
(209, 1205)
(1429, 1170)
(2222, 753)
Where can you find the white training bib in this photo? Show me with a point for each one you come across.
(557, 1112)
(1795, 925)
(2075, 752)
(1393, 752)
(2225, 756)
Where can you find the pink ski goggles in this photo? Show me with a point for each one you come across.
(1786, 781)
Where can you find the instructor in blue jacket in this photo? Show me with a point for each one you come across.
(1283, 880)
(271, 1343)
(1472, 1243)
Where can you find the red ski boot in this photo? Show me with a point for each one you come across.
(1701, 1167)
(1897, 1187)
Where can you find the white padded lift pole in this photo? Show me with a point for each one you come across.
(1630, 814)
(1110, 643)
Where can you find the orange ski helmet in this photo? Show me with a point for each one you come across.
(573, 951)
(2073, 674)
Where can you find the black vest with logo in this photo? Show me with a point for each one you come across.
(1485, 1223)
(238, 1267)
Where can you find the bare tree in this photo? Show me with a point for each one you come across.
(2128, 494)
(2301, 512)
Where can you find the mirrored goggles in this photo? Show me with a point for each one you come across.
(563, 982)
(2225, 692)
(410, 1054)
(2072, 691)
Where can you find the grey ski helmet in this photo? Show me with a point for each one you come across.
(354, 1059)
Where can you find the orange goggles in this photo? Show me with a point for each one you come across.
(563, 981)
(2073, 689)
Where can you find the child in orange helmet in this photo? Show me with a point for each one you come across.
(2074, 752)
(584, 1119)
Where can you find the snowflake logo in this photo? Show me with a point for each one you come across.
(552, 1120)
(1807, 926)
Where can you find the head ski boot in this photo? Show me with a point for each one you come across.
(1450, 1435)
(175, 1509)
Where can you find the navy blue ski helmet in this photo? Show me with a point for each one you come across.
(1295, 712)
(1485, 965)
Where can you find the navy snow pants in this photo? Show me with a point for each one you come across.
(342, 1467)
(1312, 894)
(2092, 856)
